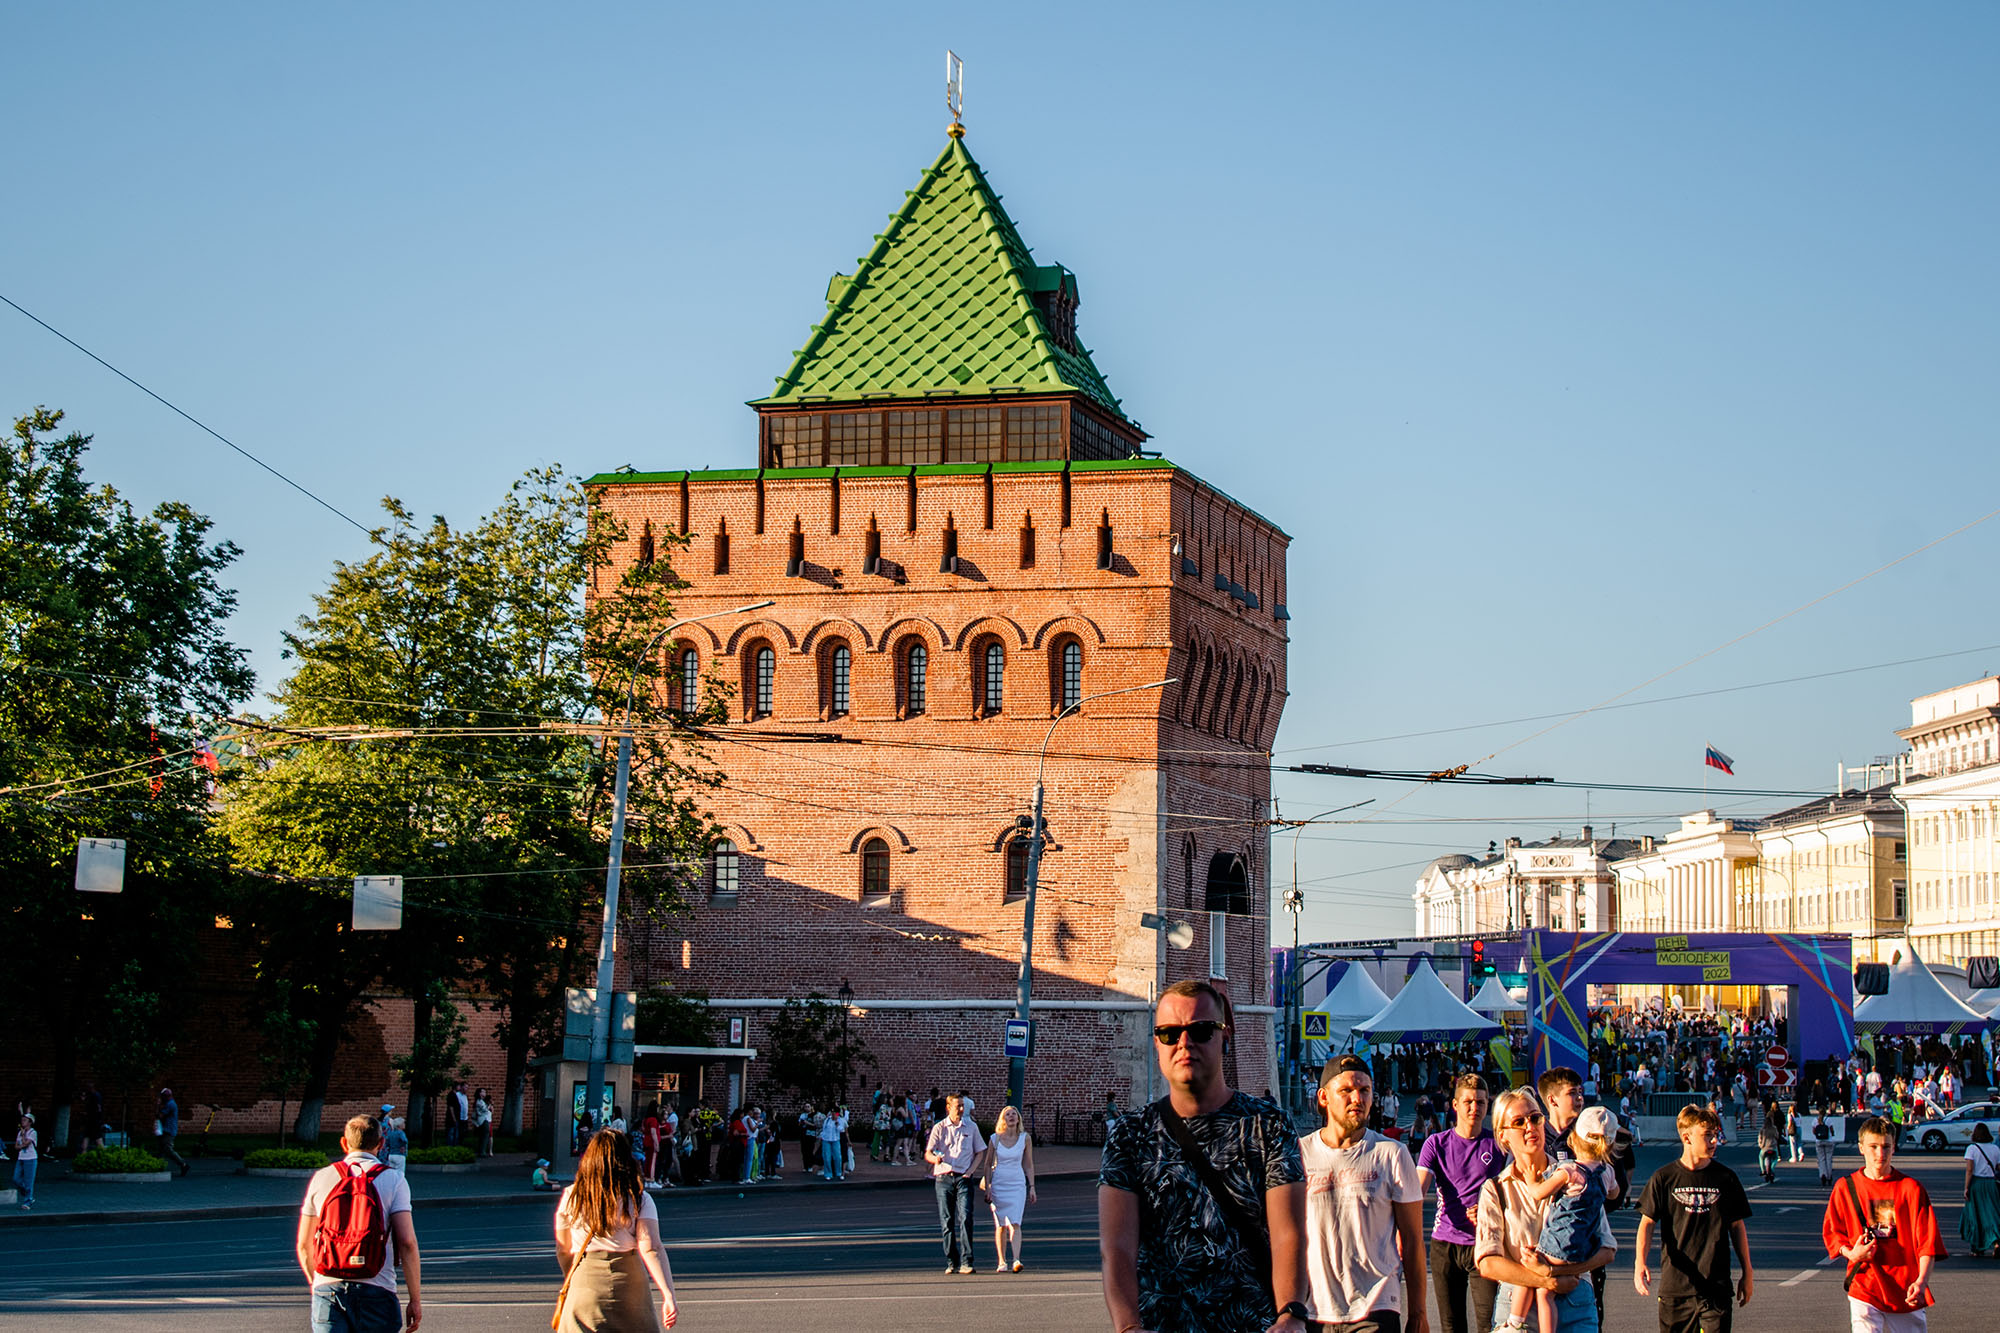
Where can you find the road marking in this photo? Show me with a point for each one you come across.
(1797, 1278)
(1830, 1259)
(1791, 1208)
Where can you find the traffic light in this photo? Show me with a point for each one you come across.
(1480, 967)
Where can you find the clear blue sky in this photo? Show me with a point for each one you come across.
(1568, 341)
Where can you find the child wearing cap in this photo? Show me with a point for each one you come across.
(1569, 1229)
(541, 1179)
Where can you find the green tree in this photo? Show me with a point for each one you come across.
(812, 1051)
(671, 1015)
(131, 1043)
(111, 639)
(288, 1041)
(443, 721)
(435, 1058)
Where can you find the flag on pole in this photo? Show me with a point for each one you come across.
(1717, 759)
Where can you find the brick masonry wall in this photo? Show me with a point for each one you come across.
(1135, 783)
(215, 1060)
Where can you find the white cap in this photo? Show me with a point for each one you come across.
(1598, 1122)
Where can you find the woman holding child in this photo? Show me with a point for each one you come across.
(1509, 1233)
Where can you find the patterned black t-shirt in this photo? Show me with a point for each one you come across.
(1194, 1275)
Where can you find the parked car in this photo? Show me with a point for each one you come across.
(1955, 1129)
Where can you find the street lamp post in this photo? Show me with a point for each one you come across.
(600, 1018)
(1017, 1066)
(1295, 903)
(846, 993)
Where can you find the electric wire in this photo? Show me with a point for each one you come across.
(202, 425)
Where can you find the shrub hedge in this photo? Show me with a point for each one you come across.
(458, 1156)
(285, 1158)
(116, 1161)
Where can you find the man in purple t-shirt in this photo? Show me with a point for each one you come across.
(1459, 1164)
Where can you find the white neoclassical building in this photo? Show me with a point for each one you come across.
(1686, 881)
(1951, 801)
(1560, 884)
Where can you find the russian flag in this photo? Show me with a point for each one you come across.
(1717, 759)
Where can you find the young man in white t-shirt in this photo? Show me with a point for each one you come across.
(1364, 1215)
(363, 1305)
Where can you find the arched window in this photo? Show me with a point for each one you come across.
(1017, 868)
(916, 665)
(840, 670)
(765, 673)
(875, 873)
(723, 875)
(993, 690)
(1187, 867)
(690, 680)
(1228, 884)
(1072, 674)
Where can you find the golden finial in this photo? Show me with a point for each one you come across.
(954, 93)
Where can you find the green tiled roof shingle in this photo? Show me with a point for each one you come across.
(944, 304)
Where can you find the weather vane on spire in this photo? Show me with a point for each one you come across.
(954, 93)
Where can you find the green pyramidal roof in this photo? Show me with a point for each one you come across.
(944, 304)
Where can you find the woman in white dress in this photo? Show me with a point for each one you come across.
(1007, 1174)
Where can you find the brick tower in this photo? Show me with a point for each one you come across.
(962, 534)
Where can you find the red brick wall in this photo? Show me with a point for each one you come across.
(215, 1060)
(1129, 781)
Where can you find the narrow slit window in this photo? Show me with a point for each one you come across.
(875, 873)
(842, 668)
(690, 680)
(916, 664)
(996, 676)
(1072, 674)
(725, 873)
(766, 674)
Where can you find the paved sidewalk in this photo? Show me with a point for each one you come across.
(216, 1188)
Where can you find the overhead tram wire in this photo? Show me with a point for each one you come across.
(189, 417)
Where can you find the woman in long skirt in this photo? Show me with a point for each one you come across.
(1979, 1222)
(608, 1243)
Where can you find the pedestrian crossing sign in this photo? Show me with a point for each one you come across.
(1315, 1027)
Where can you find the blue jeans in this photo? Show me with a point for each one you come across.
(24, 1178)
(830, 1157)
(1575, 1313)
(954, 1201)
(355, 1307)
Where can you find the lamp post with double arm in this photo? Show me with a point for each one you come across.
(600, 1017)
(1017, 1066)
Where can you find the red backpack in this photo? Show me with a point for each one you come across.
(352, 1239)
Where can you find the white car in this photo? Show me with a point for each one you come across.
(1954, 1130)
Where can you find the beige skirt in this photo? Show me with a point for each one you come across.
(608, 1293)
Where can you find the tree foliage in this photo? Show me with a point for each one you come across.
(112, 644)
(473, 683)
(812, 1051)
(132, 1040)
(670, 1015)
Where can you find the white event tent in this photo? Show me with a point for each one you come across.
(1354, 997)
(1493, 998)
(1424, 1010)
(1916, 1003)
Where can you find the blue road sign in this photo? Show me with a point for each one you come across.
(1315, 1026)
(1020, 1039)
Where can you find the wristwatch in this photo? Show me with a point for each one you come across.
(1296, 1309)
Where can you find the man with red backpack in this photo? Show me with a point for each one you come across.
(354, 1229)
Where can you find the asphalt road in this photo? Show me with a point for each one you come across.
(828, 1260)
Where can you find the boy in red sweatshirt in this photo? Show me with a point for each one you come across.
(1881, 1221)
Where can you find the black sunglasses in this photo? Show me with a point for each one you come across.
(1169, 1034)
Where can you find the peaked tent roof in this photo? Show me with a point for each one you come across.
(1915, 998)
(1494, 999)
(1355, 995)
(1425, 1011)
(944, 304)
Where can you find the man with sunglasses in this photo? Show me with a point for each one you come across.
(1201, 1196)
